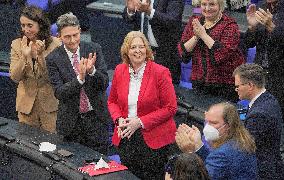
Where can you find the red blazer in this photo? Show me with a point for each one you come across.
(156, 103)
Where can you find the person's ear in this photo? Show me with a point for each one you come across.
(251, 85)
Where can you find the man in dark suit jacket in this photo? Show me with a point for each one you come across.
(165, 19)
(263, 119)
(79, 86)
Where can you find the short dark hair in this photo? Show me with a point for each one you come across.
(68, 19)
(251, 73)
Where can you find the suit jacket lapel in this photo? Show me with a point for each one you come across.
(259, 99)
(65, 63)
(125, 84)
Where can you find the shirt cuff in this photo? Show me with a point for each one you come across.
(152, 14)
(216, 45)
(80, 81)
(94, 71)
(199, 147)
(142, 125)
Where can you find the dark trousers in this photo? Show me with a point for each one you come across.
(91, 132)
(141, 160)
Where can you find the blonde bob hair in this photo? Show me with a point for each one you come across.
(222, 4)
(127, 44)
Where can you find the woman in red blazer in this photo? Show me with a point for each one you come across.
(142, 103)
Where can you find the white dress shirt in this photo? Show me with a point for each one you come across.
(252, 101)
(134, 89)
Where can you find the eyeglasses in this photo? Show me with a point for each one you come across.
(238, 86)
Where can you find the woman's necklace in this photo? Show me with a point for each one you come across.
(208, 26)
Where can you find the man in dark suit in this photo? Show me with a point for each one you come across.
(79, 86)
(263, 119)
(161, 22)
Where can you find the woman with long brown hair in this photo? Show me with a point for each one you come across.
(35, 102)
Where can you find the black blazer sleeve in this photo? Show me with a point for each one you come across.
(134, 20)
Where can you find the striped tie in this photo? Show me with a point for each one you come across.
(84, 105)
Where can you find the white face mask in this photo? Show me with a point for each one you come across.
(211, 133)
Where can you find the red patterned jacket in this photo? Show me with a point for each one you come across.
(217, 64)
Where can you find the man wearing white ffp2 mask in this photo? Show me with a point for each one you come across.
(215, 125)
(233, 148)
(211, 133)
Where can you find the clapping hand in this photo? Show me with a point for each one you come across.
(91, 62)
(251, 17)
(40, 46)
(196, 137)
(87, 65)
(259, 16)
(133, 5)
(265, 18)
(145, 6)
(168, 176)
(33, 49)
(26, 48)
(198, 29)
(37, 48)
(183, 139)
(82, 68)
(188, 138)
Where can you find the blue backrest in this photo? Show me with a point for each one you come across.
(251, 55)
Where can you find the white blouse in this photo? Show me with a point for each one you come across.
(134, 88)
